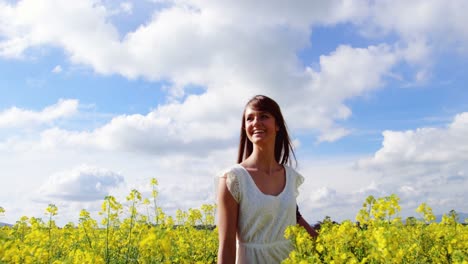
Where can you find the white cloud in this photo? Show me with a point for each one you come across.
(211, 120)
(57, 69)
(437, 22)
(31, 23)
(334, 187)
(425, 162)
(127, 7)
(83, 183)
(345, 73)
(406, 165)
(408, 191)
(323, 196)
(51, 176)
(423, 145)
(17, 117)
(421, 165)
(233, 51)
(265, 13)
(163, 131)
(210, 44)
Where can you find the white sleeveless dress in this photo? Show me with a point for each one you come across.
(262, 218)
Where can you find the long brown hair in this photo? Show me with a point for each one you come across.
(283, 146)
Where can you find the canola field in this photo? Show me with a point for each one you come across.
(138, 231)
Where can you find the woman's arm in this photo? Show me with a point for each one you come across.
(228, 210)
(302, 222)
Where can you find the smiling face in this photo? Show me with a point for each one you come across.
(260, 126)
(263, 124)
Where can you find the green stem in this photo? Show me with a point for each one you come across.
(132, 220)
(107, 232)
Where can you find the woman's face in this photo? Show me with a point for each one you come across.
(260, 126)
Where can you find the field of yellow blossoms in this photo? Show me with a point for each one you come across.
(138, 231)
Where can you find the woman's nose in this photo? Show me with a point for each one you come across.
(255, 120)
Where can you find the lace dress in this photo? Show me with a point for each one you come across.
(262, 218)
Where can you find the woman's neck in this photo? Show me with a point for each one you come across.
(262, 159)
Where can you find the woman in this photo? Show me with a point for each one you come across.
(257, 196)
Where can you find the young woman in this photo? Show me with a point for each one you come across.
(257, 196)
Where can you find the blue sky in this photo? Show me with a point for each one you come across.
(97, 97)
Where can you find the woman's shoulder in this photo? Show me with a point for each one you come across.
(291, 170)
(294, 174)
(232, 176)
(233, 171)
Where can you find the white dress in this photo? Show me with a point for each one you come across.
(262, 218)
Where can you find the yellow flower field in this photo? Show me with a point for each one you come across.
(125, 235)
(380, 236)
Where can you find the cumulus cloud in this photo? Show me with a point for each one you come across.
(234, 49)
(437, 22)
(156, 133)
(212, 120)
(334, 187)
(345, 73)
(210, 44)
(83, 183)
(51, 176)
(31, 23)
(423, 145)
(424, 29)
(17, 117)
(425, 162)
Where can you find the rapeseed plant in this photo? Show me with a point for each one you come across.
(125, 235)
